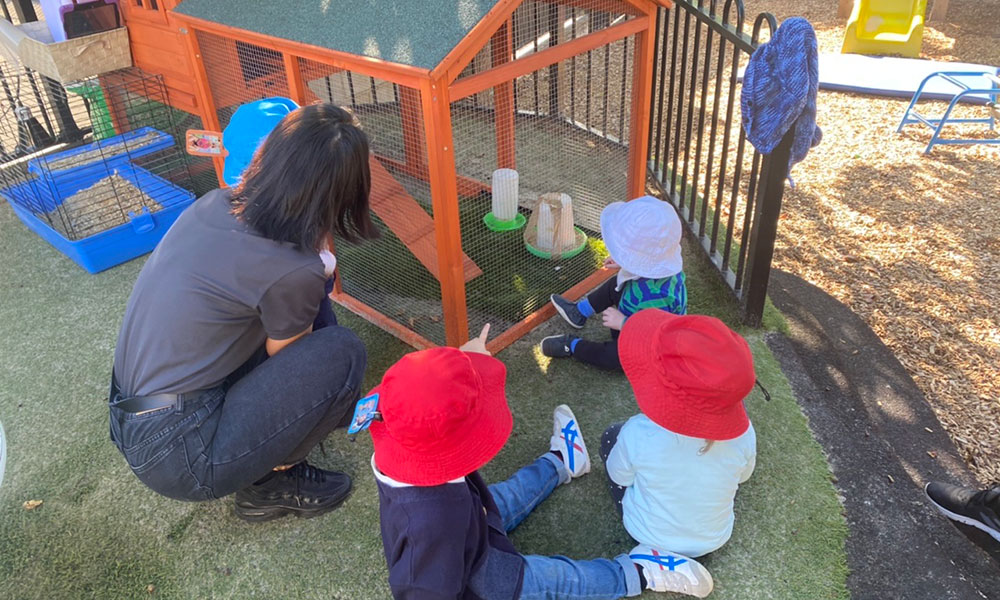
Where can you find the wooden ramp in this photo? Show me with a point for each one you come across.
(409, 221)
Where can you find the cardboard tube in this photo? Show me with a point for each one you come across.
(567, 231)
(546, 227)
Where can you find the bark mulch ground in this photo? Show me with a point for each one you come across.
(911, 243)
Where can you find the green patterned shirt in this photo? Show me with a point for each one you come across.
(669, 294)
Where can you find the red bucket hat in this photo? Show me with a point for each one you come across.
(444, 415)
(689, 374)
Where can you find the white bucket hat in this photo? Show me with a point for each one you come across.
(644, 237)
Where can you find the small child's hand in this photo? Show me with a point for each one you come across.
(609, 263)
(478, 344)
(613, 318)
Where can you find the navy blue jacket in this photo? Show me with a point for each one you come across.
(447, 541)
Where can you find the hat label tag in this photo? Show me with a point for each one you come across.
(365, 412)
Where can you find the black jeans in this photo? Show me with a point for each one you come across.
(270, 411)
(602, 354)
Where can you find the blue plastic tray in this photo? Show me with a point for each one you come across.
(103, 165)
(111, 247)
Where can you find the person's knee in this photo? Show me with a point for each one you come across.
(341, 346)
(342, 342)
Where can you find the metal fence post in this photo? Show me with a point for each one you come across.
(770, 190)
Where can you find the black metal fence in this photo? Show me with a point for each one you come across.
(728, 195)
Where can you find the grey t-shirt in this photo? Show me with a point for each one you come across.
(207, 298)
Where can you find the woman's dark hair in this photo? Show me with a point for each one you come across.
(310, 177)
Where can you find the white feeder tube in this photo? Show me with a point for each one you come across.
(505, 194)
(546, 227)
(567, 232)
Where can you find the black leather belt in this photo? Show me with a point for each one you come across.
(139, 404)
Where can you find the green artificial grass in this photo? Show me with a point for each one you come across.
(101, 534)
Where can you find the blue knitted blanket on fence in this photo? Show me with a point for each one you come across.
(779, 90)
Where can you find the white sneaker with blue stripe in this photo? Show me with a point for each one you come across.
(567, 439)
(668, 572)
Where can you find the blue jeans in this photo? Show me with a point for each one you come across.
(558, 577)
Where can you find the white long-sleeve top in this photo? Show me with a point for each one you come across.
(678, 500)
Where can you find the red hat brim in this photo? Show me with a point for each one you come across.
(471, 446)
(639, 351)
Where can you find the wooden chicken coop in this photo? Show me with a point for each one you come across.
(448, 92)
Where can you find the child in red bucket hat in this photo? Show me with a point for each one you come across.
(674, 468)
(437, 417)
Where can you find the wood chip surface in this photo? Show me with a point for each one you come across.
(910, 242)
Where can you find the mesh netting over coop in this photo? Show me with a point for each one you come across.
(499, 131)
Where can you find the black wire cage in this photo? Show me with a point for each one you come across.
(96, 167)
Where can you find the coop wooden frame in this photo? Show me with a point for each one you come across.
(432, 156)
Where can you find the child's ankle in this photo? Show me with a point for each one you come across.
(585, 308)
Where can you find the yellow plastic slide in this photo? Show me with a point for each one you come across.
(885, 27)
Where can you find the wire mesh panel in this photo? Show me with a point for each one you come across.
(240, 72)
(564, 129)
(537, 26)
(398, 273)
(145, 102)
(89, 157)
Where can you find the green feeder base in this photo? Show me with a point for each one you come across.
(582, 243)
(495, 224)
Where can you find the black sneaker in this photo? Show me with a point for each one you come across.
(302, 490)
(568, 311)
(557, 346)
(980, 509)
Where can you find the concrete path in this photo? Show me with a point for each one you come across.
(884, 443)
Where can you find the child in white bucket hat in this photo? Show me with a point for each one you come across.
(643, 237)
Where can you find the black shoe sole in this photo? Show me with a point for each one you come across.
(995, 534)
(562, 313)
(560, 354)
(260, 514)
